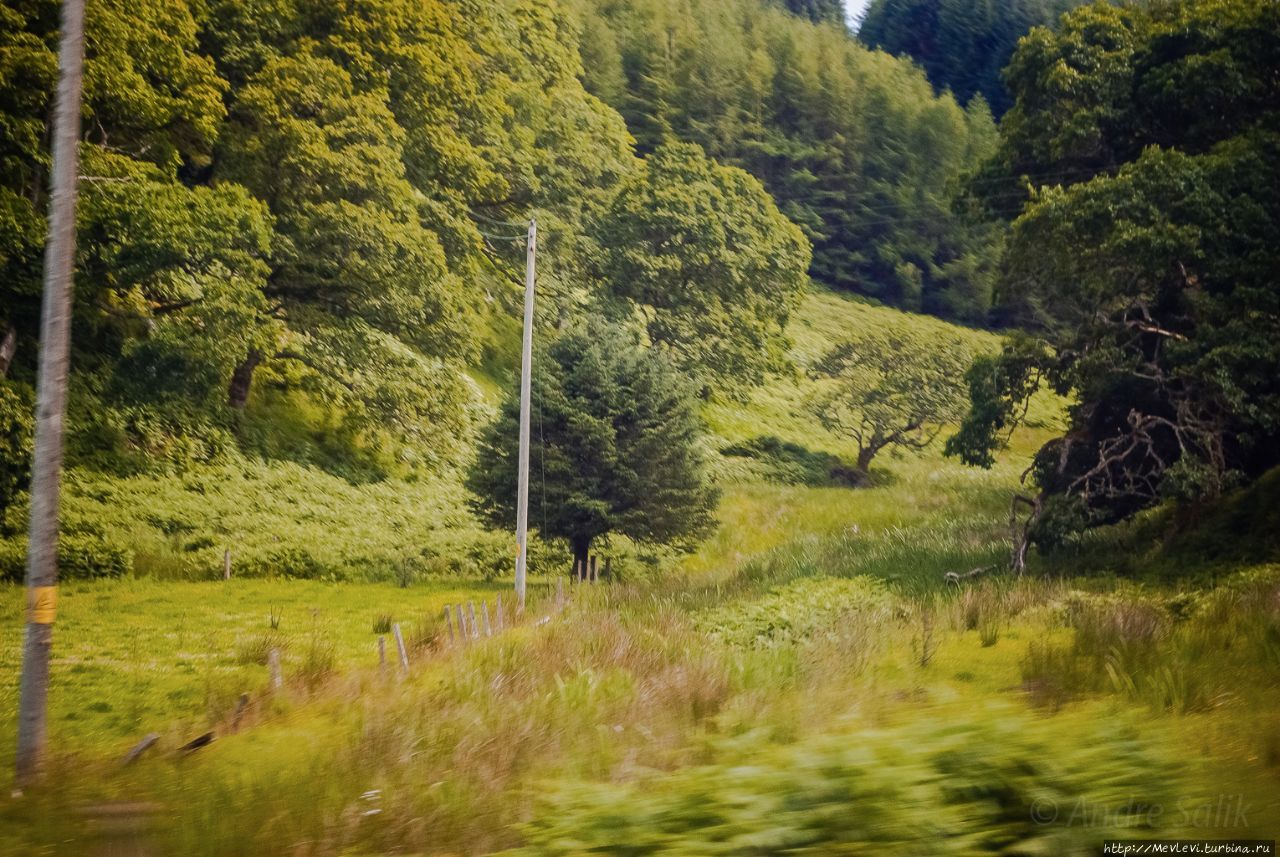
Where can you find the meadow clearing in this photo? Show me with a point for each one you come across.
(807, 658)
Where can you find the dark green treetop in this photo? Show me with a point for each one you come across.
(617, 446)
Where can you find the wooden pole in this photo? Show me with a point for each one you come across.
(526, 370)
(484, 608)
(475, 628)
(502, 623)
(461, 622)
(382, 655)
(273, 667)
(404, 653)
(51, 402)
(559, 591)
(226, 564)
(141, 747)
(448, 621)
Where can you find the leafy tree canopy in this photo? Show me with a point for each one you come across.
(712, 265)
(854, 145)
(889, 392)
(1147, 264)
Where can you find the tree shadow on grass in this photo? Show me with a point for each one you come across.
(781, 461)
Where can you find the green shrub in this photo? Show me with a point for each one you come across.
(997, 783)
(16, 428)
(80, 557)
(796, 612)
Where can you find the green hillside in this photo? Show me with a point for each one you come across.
(902, 479)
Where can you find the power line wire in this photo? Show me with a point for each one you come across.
(502, 237)
(478, 216)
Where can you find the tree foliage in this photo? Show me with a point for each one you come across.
(1147, 264)
(890, 392)
(818, 11)
(853, 144)
(711, 264)
(963, 45)
(619, 447)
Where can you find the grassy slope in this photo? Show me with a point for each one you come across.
(551, 737)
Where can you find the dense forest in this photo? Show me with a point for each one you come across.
(854, 145)
(300, 221)
(295, 201)
(962, 45)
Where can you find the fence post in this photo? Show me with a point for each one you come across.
(502, 622)
(382, 655)
(226, 564)
(475, 628)
(404, 654)
(448, 621)
(484, 608)
(273, 667)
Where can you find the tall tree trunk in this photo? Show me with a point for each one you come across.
(865, 454)
(581, 552)
(242, 381)
(51, 401)
(8, 347)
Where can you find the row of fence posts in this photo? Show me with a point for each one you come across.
(463, 625)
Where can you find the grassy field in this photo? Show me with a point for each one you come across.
(806, 682)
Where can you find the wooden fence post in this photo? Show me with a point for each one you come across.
(559, 592)
(273, 666)
(226, 564)
(382, 655)
(404, 654)
(484, 608)
(448, 621)
(502, 623)
(475, 628)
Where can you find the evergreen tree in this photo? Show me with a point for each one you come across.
(618, 448)
(818, 11)
(963, 45)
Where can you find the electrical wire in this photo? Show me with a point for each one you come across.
(478, 216)
(502, 237)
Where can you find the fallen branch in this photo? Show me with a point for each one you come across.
(955, 577)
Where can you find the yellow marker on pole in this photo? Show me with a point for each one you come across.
(42, 604)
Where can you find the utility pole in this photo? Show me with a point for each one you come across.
(526, 369)
(51, 400)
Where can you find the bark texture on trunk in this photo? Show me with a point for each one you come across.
(8, 347)
(242, 381)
